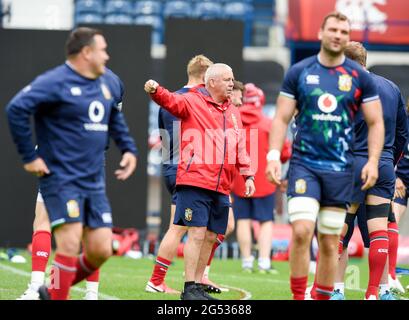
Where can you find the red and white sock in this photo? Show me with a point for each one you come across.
(84, 269)
(40, 253)
(298, 287)
(393, 235)
(62, 275)
(323, 292)
(159, 271)
(219, 241)
(378, 253)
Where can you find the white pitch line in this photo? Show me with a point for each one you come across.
(28, 274)
(247, 295)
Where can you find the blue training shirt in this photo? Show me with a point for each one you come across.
(170, 146)
(394, 117)
(74, 117)
(402, 168)
(327, 100)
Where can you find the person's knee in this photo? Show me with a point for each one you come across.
(301, 234)
(99, 254)
(331, 221)
(197, 234)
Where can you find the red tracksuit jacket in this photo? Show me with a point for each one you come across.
(253, 118)
(212, 143)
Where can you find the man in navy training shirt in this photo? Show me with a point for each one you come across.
(373, 219)
(327, 90)
(75, 113)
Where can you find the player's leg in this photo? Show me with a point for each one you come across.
(377, 211)
(242, 215)
(304, 193)
(40, 250)
(212, 287)
(166, 253)
(263, 211)
(168, 246)
(330, 223)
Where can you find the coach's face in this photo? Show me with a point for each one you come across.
(223, 84)
(98, 55)
(335, 36)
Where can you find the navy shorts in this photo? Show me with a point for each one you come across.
(385, 185)
(329, 188)
(260, 209)
(170, 183)
(403, 201)
(91, 209)
(198, 207)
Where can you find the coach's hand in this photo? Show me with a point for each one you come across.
(37, 167)
(128, 165)
(273, 172)
(250, 188)
(150, 86)
(369, 174)
(400, 189)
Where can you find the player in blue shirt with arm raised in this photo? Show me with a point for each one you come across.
(75, 114)
(327, 90)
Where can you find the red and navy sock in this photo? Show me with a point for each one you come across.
(378, 253)
(160, 270)
(323, 292)
(84, 269)
(298, 287)
(393, 235)
(62, 275)
(219, 241)
(41, 248)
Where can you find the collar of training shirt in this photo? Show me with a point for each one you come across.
(202, 90)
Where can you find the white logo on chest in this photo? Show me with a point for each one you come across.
(327, 103)
(96, 111)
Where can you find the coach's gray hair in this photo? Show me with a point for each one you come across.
(215, 70)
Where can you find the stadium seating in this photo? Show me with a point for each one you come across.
(157, 25)
(118, 18)
(208, 10)
(118, 7)
(89, 6)
(147, 7)
(89, 18)
(177, 9)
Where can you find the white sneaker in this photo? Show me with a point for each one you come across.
(30, 294)
(91, 295)
(308, 293)
(371, 297)
(395, 284)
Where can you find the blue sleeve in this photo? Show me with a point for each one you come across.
(42, 91)
(119, 132)
(368, 86)
(289, 87)
(401, 135)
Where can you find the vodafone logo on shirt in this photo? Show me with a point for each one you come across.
(327, 103)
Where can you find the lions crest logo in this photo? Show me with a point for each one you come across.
(73, 209)
(300, 186)
(188, 214)
(106, 92)
(345, 82)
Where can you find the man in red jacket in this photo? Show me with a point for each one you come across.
(211, 148)
(261, 206)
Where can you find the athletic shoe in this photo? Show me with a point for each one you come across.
(395, 284)
(371, 297)
(195, 292)
(91, 295)
(388, 296)
(211, 287)
(308, 293)
(44, 293)
(30, 294)
(337, 295)
(150, 287)
(247, 270)
(272, 270)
